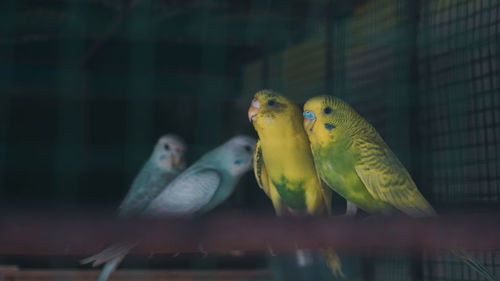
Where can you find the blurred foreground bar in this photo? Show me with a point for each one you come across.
(38, 234)
(152, 275)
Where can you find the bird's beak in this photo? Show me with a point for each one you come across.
(177, 159)
(253, 110)
(309, 120)
(308, 124)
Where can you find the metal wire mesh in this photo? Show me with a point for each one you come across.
(459, 74)
(393, 268)
(458, 57)
(376, 68)
(444, 266)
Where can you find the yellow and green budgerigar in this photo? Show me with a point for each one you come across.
(353, 159)
(283, 163)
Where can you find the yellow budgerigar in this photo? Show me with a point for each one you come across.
(283, 163)
(353, 159)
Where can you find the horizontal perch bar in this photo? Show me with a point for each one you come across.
(60, 235)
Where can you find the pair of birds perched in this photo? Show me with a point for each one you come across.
(164, 188)
(302, 156)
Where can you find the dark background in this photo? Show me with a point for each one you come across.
(87, 86)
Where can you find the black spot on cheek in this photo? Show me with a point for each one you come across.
(329, 126)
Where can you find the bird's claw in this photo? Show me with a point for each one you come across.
(271, 252)
(200, 248)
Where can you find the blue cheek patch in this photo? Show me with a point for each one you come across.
(329, 126)
(237, 162)
(163, 157)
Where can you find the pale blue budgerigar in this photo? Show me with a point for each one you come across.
(164, 164)
(200, 188)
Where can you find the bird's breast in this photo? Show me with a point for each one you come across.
(292, 159)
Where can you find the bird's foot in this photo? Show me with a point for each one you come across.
(270, 250)
(200, 248)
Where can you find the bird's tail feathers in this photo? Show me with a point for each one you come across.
(333, 262)
(118, 250)
(474, 263)
(109, 268)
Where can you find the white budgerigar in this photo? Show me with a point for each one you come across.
(208, 182)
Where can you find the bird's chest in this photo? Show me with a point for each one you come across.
(337, 167)
(290, 168)
(290, 159)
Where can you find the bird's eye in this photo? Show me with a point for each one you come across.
(271, 102)
(327, 110)
(167, 147)
(248, 148)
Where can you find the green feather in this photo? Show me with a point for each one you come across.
(294, 198)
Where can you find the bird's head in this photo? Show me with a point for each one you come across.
(238, 154)
(169, 153)
(270, 109)
(326, 118)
